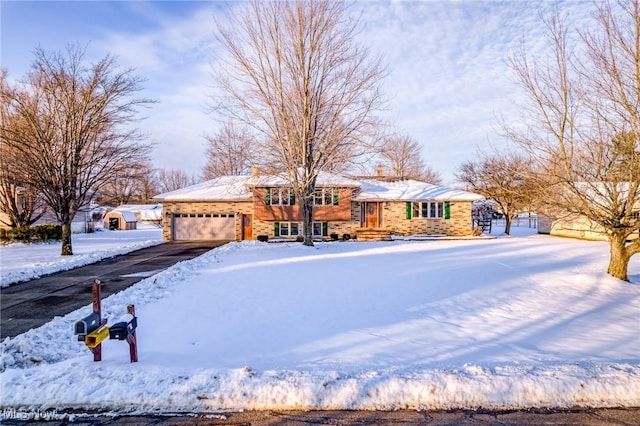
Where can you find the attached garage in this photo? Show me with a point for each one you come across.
(204, 226)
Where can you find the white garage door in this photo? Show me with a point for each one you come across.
(201, 226)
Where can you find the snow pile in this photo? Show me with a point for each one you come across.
(516, 322)
(23, 262)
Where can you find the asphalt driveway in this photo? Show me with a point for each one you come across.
(31, 304)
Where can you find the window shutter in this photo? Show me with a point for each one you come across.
(409, 209)
(335, 197)
(276, 229)
(292, 199)
(447, 210)
(267, 199)
(325, 229)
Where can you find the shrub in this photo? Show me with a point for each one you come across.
(263, 238)
(34, 234)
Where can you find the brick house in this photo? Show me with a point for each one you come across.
(246, 207)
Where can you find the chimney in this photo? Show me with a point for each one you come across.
(379, 171)
(255, 171)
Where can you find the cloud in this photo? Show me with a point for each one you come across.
(447, 82)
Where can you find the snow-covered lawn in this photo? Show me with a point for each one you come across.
(23, 262)
(512, 322)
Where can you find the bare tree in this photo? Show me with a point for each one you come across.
(229, 153)
(505, 178)
(130, 185)
(172, 179)
(77, 129)
(18, 201)
(583, 122)
(402, 156)
(294, 73)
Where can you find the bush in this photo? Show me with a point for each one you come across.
(334, 236)
(263, 238)
(33, 234)
(346, 237)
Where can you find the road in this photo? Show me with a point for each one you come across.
(585, 417)
(28, 305)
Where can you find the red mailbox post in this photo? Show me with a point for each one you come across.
(92, 330)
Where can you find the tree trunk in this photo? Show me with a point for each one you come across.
(307, 220)
(66, 239)
(508, 219)
(619, 260)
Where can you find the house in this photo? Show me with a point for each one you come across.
(574, 226)
(249, 207)
(610, 195)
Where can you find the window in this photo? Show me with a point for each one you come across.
(326, 197)
(286, 229)
(320, 229)
(427, 210)
(317, 229)
(279, 197)
(295, 229)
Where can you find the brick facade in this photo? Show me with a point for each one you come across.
(344, 218)
(394, 216)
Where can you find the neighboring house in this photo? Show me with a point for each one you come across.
(83, 221)
(573, 226)
(120, 220)
(563, 224)
(247, 207)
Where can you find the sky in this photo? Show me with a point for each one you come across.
(401, 324)
(448, 80)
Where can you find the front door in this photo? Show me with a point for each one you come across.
(247, 227)
(371, 215)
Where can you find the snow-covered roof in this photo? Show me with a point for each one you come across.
(238, 188)
(408, 190)
(127, 215)
(323, 179)
(144, 211)
(223, 188)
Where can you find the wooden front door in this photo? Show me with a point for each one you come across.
(247, 227)
(371, 215)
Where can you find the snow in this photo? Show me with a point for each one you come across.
(512, 322)
(408, 190)
(223, 188)
(23, 262)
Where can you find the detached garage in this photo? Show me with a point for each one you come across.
(204, 226)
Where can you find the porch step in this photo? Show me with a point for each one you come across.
(373, 234)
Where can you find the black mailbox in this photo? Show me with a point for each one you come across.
(87, 324)
(120, 330)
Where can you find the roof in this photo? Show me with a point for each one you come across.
(223, 188)
(411, 190)
(127, 215)
(323, 179)
(238, 188)
(143, 211)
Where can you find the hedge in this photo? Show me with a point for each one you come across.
(31, 234)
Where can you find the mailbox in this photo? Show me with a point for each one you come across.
(96, 337)
(87, 325)
(122, 329)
